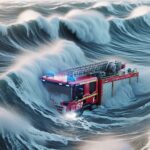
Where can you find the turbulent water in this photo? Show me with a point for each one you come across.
(42, 35)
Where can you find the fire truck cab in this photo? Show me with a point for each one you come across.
(81, 88)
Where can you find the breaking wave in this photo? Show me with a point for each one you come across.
(38, 40)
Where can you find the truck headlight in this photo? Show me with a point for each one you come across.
(70, 116)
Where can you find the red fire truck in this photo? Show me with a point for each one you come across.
(81, 88)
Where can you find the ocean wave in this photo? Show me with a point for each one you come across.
(37, 43)
(39, 30)
(88, 26)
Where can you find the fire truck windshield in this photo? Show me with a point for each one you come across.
(61, 93)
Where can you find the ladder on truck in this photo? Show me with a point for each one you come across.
(99, 67)
(86, 69)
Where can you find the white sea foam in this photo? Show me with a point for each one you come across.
(109, 143)
(147, 146)
(139, 11)
(27, 16)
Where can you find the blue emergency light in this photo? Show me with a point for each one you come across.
(50, 73)
(71, 78)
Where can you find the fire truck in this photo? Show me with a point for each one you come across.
(81, 88)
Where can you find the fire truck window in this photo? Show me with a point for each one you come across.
(59, 92)
(78, 92)
(92, 87)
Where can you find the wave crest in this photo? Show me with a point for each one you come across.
(89, 26)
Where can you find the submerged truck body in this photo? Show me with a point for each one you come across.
(81, 88)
